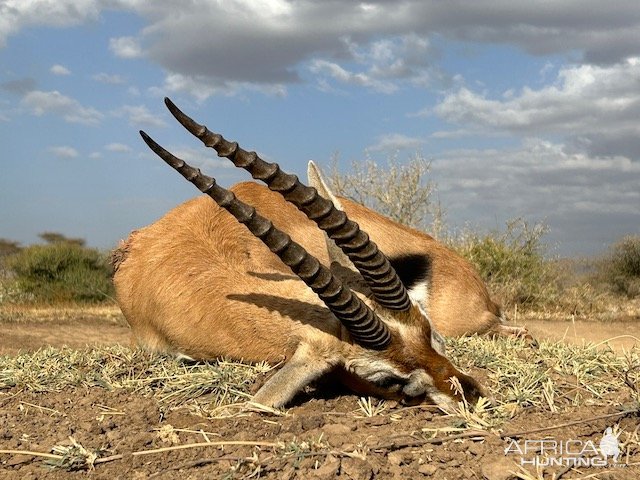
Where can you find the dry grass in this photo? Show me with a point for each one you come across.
(555, 377)
(204, 385)
(17, 312)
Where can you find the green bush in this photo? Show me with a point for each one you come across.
(61, 272)
(621, 267)
(512, 262)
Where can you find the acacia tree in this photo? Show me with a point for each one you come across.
(397, 190)
(55, 237)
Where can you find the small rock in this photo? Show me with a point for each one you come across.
(395, 458)
(288, 473)
(396, 472)
(18, 460)
(499, 468)
(143, 439)
(476, 448)
(336, 429)
(109, 425)
(309, 423)
(356, 469)
(444, 456)
(377, 421)
(427, 469)
(329, 469)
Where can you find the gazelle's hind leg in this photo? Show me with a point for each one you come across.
(502, 330)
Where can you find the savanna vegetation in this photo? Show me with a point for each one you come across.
(58, 270)
(113, 411)
(517, 263)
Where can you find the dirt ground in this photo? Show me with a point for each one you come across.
(321, 437)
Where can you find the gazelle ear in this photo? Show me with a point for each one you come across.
(317, 180)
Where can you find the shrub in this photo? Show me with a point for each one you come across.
(512, 262)
(396, 190)
(61, 272)
(621, 266)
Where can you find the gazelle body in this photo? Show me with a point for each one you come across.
(445, 284)
(199, 283)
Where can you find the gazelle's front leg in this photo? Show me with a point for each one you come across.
(305, 366)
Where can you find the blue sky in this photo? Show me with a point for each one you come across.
(524, 110)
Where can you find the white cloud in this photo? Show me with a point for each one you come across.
(383, 64)
(395, 141)
(63, 151)
(139, 115)
(125, 47)
(17, 14)
(55, 103)
(335, 71)
(109, 79)
(238, 43)
(457, 133)
(541, 181)
(60, 70)
(595, 107)
(205, 159)
(117, 148)
(201, 87)
(268, 42)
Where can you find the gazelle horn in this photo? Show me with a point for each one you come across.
(365, 327)
(385, 284)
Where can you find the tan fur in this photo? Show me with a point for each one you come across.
(197, 261)
(458, 302)
(197, 283)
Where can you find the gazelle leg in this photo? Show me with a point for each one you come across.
(304, 367)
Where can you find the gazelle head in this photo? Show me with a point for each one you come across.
(390, 348)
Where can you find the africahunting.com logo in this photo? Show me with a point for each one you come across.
(572, 453)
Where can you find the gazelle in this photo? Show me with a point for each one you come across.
(200, 282)
(444, 283)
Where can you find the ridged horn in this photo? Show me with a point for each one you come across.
(365, 328)
(374, 267)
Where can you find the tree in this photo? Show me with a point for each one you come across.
(54, 237)
(8, 247)
(398, 191)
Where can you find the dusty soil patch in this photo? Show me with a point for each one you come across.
(26, 329)
(30, 328)
(321, 438)
(325, 435)
(619, 335)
